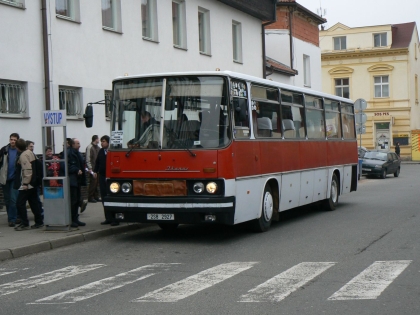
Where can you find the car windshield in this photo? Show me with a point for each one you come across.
(195, 113)
(376, 156)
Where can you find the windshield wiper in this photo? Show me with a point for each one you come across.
(128, 153)
(182, 142)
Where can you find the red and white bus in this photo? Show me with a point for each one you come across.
(223, 147)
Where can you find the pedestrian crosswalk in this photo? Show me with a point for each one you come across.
(368, 284)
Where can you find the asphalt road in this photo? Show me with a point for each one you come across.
(363, 258)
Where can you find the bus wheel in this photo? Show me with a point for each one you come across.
(263, 223)
(331, 203)
(168, 226)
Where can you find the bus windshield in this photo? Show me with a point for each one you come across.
(195, 114)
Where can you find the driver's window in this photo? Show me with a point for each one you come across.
(240, 106)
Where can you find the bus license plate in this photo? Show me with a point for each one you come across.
(160, 216)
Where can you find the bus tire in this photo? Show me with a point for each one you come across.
(168, 226)
(267, 208)
(331, 203)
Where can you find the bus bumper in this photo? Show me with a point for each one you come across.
(184, 210)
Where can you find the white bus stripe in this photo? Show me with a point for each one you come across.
(198, 282)
(48, 277)
(372, 281)
(282, 285)
(102, 286)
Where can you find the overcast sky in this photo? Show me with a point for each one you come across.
(356, 13)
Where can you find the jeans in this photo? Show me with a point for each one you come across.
(10, 198)
(29, 195)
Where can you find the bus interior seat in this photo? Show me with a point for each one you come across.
(209, 131)
(289, 128)
(189, 130)
(264, 127)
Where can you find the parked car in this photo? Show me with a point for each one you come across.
(381, 163)
(361, 151)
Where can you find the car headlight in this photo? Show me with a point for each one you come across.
(198, 187)
(126, 188)
(114, 187)
(211, 187)
(378, 166)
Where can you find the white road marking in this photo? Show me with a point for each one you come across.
(12, 287)
(105, 285)
(6, 273)
(372, 281)
(198, 282)
(282, 285)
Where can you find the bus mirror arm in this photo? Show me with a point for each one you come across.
(88, 115)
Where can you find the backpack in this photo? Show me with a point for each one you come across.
(37, 172)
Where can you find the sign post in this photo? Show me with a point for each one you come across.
(360, 105)
(55, 188)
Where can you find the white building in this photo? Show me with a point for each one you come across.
(292, 46)
(89, 43)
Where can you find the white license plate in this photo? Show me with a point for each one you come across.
(160, 216)
(366, 169)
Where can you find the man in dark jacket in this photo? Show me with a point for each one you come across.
(76, 178)
(8, 158)
(100, 170)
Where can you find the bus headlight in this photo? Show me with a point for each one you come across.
(114, 187)
(211, 187)
(198, 187)
(126, 188)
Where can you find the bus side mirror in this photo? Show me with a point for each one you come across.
(88, 116)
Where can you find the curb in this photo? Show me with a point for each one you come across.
(64, 241)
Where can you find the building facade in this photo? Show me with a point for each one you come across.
(292, 46)
(63, 54)
(381, 65)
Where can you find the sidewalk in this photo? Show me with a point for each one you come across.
(15, 244)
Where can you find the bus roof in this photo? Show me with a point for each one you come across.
(238, 76)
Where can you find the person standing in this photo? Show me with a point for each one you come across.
(77, 179)
(100, 171)
(91, 154)
(397, 149)
(24, 182)
(8, 155)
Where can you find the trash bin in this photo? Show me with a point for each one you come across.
(359, 168)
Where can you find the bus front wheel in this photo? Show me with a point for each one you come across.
(263, 223)
(331, 203)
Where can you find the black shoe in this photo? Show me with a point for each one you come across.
(18, 221)
(37, 226)
(92, 200)
(80, 223)
(12, 224)
(105, 222)
(22, 227)
(83, 206)
(74, 225)
(115, 223)
(98, 199)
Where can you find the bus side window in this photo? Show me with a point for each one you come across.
(241, 129)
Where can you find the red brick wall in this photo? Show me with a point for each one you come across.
(302, 28)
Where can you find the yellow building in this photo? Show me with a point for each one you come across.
(380, 64)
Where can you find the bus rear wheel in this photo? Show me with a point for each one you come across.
(331, 203)
(168, 226)
(264, 222)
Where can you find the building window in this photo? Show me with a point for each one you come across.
(12, 98)
(179, 24)
(16, 3)
(204, 31)
(381, 84)
(342, 88)
(379, 40)
(68, 8)
(111, 15)
(237, 41)
(306, 70)
(69, 98)
(340, 43)
(149, 19)
(108, 95)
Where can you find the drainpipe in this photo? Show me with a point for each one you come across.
(291, 37)
(47, 84)
(263, 38)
